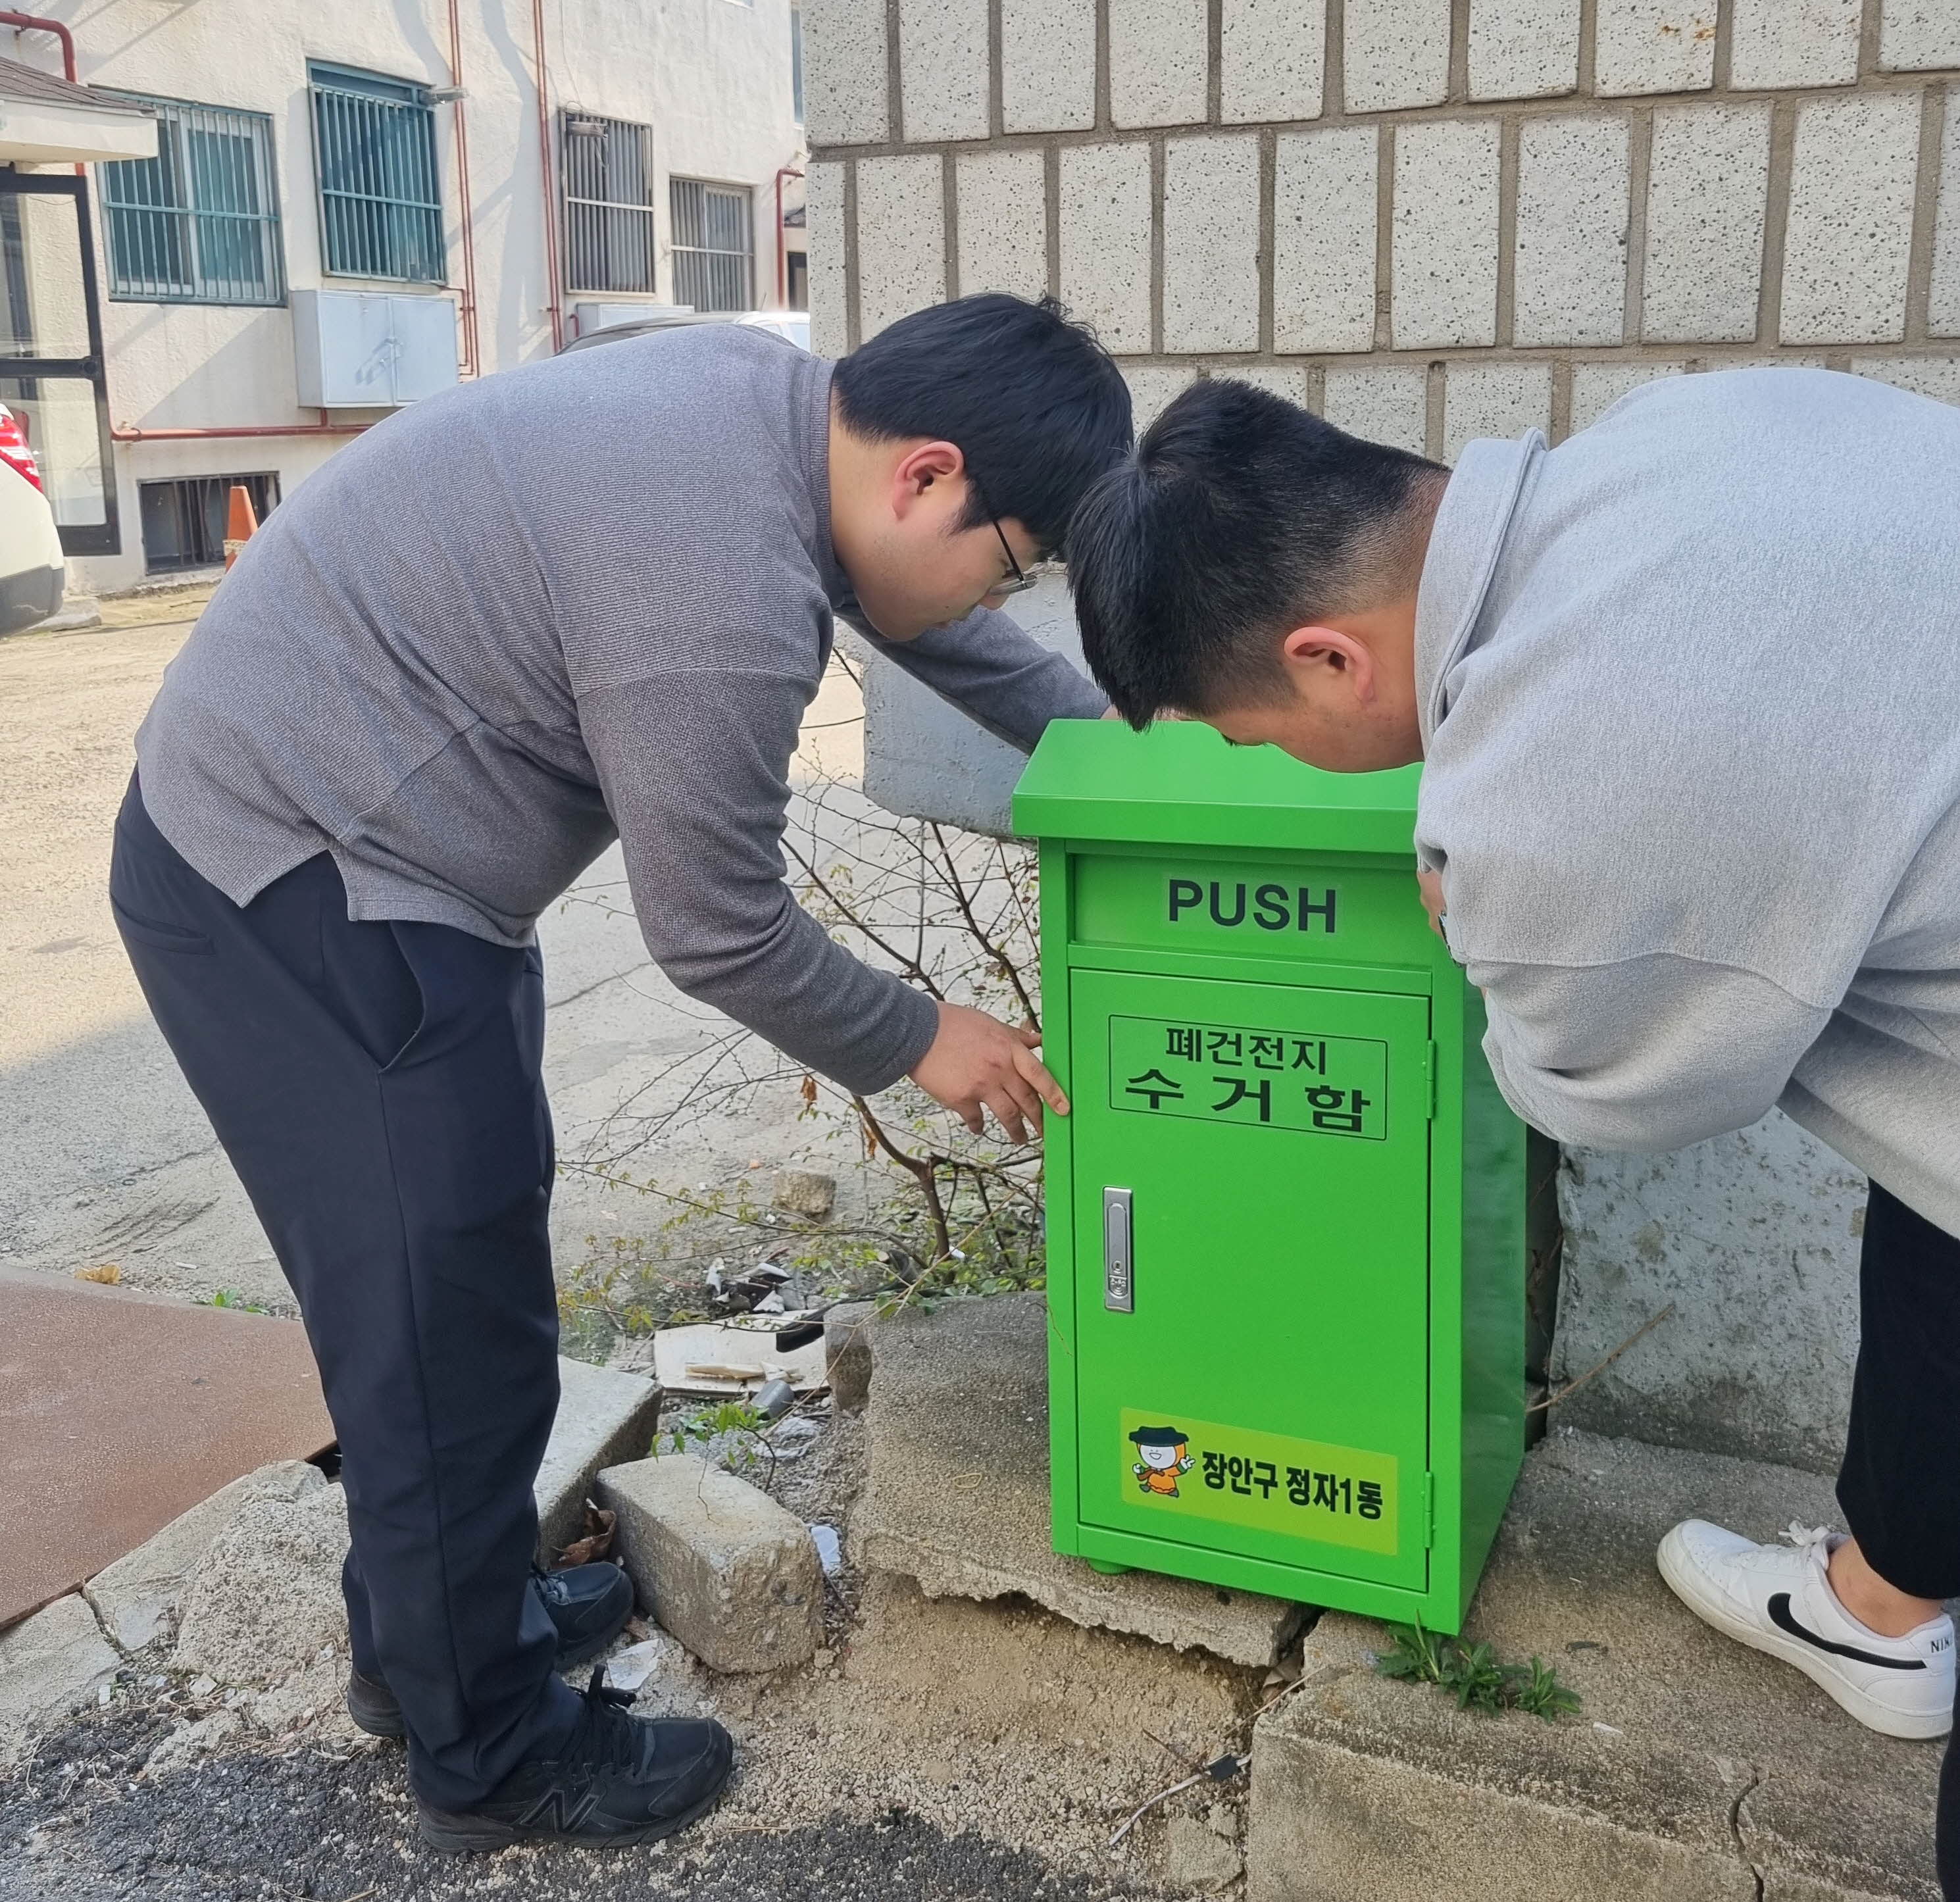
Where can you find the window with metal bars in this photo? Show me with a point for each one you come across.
(183, 520)
(609, 203)
(713, 245)
(380, 200)
(200, 223)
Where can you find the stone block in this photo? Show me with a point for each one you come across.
(807, 1192)
(1698, 1770)
(1943, 312)
(1197, 1859)
(1523, 49)
(1383, 402)
(1938, 377)
(926, 759)
(1105, 241)
(943, 62)
(1158, 62)
(50, 1663)
(1918, 36)
(901, 239)
(1708, 190)
(603, 1417)
(1493, 399)
(1653, 46)
(1290, 385)
(1794, 43)
(1597, 386)
(1211, 243)
(956, 1495)
(846, 89)
(1753, 1237)
(1848, 244)
(137, 1598)
(847, 1353)
(1271, 60)
(733, 1575)
(1048, 65)
(1003, 222)
(265, 1600)
(823, 213)
(1444, 269)
(1395, 53)
(1570, 280)
(1324, 239)
(1153, 389)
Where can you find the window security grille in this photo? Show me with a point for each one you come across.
(380, 202)
(200, 223)
(609, 204)
(183, 521)
(713, 245)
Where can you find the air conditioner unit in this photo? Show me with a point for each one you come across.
(372, 349)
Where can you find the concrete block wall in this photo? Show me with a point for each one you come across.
(1428, 219)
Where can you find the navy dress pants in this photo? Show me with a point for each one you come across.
(376, 1087)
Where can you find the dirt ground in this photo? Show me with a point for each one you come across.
(936, 1751)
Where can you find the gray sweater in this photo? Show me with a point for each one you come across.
(588, 597)
(1690, 692)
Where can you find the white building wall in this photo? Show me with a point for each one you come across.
(711, 78)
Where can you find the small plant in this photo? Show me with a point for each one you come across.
(231, 1298)
(1474, 1675)
(733, 1420)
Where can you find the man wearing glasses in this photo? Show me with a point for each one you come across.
(589, 599)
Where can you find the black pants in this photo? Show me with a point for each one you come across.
(1900, 1486)
(376, 1088)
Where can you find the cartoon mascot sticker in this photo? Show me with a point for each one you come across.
(1160, 1458)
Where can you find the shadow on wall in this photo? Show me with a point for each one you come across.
(1753, 1237)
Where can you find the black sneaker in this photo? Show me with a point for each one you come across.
(589, 1604)
(620, 1780)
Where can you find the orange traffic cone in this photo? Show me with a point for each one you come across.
(240, 524)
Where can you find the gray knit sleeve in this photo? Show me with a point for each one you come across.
(694, 766)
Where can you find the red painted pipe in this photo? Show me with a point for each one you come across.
(36, 23)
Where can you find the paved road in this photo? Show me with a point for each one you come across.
(104, 1154)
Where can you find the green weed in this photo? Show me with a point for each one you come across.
(1474, 1676)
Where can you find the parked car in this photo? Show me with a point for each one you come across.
(794, 325)
(32, 571)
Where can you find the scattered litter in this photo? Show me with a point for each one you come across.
(774, 1398)
(829, 1549)
(1608, 1730)
(110, 1274)
(726, 1359)
(629, 1669)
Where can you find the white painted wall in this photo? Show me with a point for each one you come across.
(712, 77)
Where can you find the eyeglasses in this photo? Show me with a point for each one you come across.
(1022, 580)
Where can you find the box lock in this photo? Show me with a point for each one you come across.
(1118, 1261)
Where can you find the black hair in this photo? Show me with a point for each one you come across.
(1032, 399)
(1241, 516)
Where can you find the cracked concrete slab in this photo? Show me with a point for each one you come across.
(957, 1497)
(1696, 1768)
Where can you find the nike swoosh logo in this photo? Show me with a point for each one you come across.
(1785, 1619)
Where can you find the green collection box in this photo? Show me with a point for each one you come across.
(1286, 1216)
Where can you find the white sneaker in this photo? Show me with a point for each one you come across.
(1778, 1599)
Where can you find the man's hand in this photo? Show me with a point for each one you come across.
(1430, 885)
(977, 1062)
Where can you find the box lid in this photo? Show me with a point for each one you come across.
(1179, 784)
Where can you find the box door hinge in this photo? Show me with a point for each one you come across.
(1430, 1062)
(1428, 1510)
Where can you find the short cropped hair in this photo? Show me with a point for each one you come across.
(1240, 517)
(1033, 400)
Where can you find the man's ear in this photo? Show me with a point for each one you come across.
(919, 471)
(1323, 653)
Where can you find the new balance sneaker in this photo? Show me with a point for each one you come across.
(1778, 1599)
(619, 1780)
(589, 1604)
